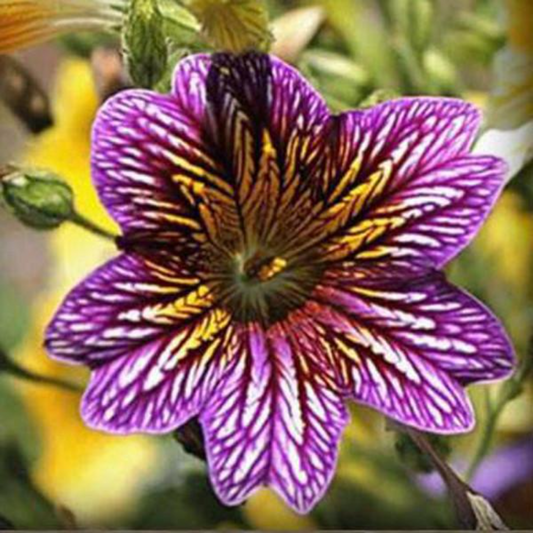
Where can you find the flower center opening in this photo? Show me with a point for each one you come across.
(260, 268)
(262, 286)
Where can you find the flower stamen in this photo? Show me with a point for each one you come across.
(262, 268)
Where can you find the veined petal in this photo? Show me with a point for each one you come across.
(401, 186)
(426, 222)
(161, 384)
(413, 135)
(276, 421)
(128, 302)
(155, 174)
(155, 342)
(264, 120)
(428, 314)
(408, 347)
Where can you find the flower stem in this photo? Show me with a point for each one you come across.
(83, 222)
(487, 434)
(9, 366)
(472, 510)
(457, 488)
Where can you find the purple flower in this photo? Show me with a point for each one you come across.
(278, 260)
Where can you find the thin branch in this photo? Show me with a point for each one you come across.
(472, 510)
(83, 222)
(458, 489)
(11, 367)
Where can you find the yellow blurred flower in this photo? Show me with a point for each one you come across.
(506, 240)
(478, 98)
(504, 245)
(25, 23)
(232, 25)
(97, 476)
(265, 511)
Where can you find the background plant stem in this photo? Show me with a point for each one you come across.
(83, 222)
(11, 367)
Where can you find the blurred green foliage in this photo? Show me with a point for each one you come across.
(192, 505)
(21, 502)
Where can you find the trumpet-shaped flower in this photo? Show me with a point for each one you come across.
(277, 261)
(26, 23)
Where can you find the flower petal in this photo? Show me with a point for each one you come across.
(155, 342)
(162, 384)
(408, 347)
(447, 325)
(401, 186)
(413, 135)
(427, 222)
(264, 120)
(274, 421)
(123, 305)
(154, 172)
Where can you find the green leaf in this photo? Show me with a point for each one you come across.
(182, 29)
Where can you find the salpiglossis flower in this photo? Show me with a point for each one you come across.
(26, 23)
(277, 261)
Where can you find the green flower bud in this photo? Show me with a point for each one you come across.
(39, 199)
(144, 43)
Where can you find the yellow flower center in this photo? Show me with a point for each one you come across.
(260, 285)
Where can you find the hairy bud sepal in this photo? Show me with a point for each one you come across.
(144, 43)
